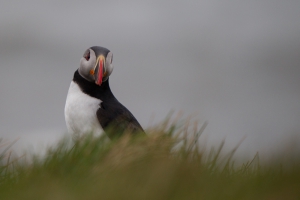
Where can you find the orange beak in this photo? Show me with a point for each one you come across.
(99, 70)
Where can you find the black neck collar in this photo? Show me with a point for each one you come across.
(102, 92)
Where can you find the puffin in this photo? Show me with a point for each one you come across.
(90, 105)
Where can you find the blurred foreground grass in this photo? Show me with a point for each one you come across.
(167, 164)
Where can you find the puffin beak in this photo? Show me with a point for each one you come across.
(99, 68)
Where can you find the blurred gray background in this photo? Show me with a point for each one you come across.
(234, 63)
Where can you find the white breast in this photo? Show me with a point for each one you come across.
(80, 112)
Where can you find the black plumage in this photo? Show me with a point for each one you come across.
(112, 115)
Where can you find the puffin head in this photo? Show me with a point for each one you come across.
(96, 64)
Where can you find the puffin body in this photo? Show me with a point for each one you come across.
(90, 104)
(80, 111)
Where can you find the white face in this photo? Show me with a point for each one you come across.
(95, 69)
(108, 66)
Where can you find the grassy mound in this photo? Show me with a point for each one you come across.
(167, 164)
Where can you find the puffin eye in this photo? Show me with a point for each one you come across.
(87, 56)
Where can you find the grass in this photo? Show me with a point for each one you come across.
(167, 164)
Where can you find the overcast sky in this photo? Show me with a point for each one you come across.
(234, 63)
